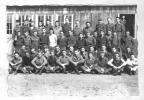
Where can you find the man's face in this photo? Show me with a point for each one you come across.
(19, 33)
(132, 56)
(95, 34)
(91, 48)
(48, 22)
(102, 55)
(77, 23)
(52, 53)
(88, 34)
(114, 49)
(102, 33)
(117, 56)
(128, 49)
(117, 19)
(127, 33)
(16, 55)
(57, 23)
(109, 20)
(88, 24)
(109, 33)
(33, 50)
(35, 33)
(39, 54)
(70, 33)
(26, 33)
(77, 52)
(44, 30)
(81, 35)
(67, 20)
(90, 55)
(82, 49)
(23, 47)
(103, 47)
(26, 22)
(40, 23)
(57, 49)
(71, 48)
(51, 31)
(64, 53)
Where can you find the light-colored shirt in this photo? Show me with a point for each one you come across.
(52, 40)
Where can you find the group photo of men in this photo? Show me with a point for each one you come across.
(106, 49)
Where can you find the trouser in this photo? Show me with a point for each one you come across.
(39, 70)
(52, 69)
(76, 68)
(15, 68)
(102, 70)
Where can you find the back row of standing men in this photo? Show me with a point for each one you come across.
(110, 35)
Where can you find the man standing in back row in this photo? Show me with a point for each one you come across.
(66, 27)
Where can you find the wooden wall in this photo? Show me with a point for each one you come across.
(82, 13)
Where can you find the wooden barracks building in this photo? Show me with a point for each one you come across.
(83, 11)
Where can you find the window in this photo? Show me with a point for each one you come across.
(44, 18)
(61, 18)
(9, 24)
(28, 17)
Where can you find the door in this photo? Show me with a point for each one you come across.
(129, 23)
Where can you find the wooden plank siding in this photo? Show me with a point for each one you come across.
(82, 13)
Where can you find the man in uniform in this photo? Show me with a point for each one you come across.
(66, 27)
(109, 25)
(39, 63)
(88, 29)
(48, 26)
(25, 27)
(100, 27)
(77, 29)
(76, 61)
(63, 61)
(119, 29)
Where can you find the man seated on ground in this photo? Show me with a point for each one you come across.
(52, 65)
(89, 64)
(117, 64)
(132, 65)
(102, 67)
(76, 61)
(39, 63)
(27, 68)
(15, 63)
(63, 61)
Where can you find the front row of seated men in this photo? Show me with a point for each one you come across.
(72, 61)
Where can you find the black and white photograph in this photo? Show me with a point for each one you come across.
(85, 48)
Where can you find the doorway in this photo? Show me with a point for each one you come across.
(129, 23)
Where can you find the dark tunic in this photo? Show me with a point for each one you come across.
(71, 41)
(24, 29)
(110, 27)
(80, 43)
(88, 30)
(66, 28)
(100, 27)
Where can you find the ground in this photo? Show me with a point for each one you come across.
(72, 85)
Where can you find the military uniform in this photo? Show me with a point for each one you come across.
(66, 28)
(100, 27)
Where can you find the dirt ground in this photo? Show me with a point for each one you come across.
(72, 85)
